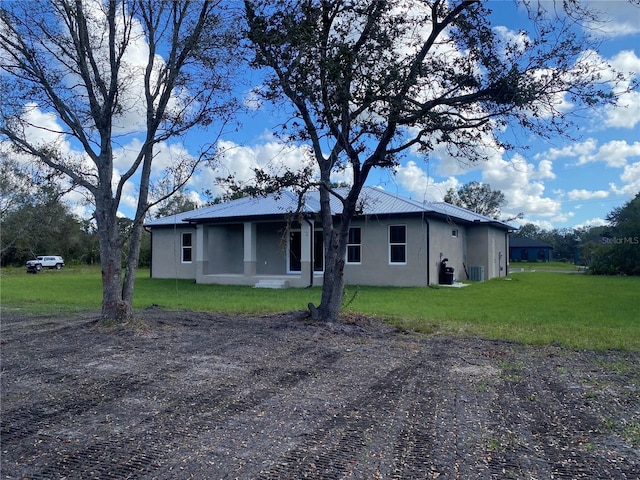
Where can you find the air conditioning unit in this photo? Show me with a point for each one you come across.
(476, 274)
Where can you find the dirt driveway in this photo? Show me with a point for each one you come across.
(190, 395)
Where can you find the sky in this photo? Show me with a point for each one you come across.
(556, 183)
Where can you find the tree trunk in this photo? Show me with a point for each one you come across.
(335, 241)
(132, 264)
(114, 308)
(136, 233)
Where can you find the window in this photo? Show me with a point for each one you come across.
(354, 245)
(398, 244)
(187, 248)
(454, 233)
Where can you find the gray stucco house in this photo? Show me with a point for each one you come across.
(393, 241)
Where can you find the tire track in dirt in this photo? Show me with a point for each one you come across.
(187, 395)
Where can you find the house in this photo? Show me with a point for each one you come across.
(393, 241)
(529, 250)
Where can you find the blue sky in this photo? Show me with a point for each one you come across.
(555, 184)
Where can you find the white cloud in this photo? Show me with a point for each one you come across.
(630, 181)
(583, 194)
(573, 150)
(594, 222)
(522, 183)
(618, 19)
(615, 154)
(416, 181)
(240, 161)
(541, 224)
(626, 112)
(252, 99)
(514, 39)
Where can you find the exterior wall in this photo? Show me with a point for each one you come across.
(376, 269)
(166, 253)
(444, 244)
(486, 248)
(226, 249)
(271, 254)
(225, 259)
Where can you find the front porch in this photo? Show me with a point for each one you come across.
(260, 254)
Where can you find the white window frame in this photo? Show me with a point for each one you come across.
(395, 244)
(358, 245)
(455, 233)
(184, 248)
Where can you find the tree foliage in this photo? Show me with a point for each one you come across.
(366, 81)
(477, 197)
(101, 73)
(617, 250)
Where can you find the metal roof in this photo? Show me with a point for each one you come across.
(372, 201)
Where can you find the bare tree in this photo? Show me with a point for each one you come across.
(365, 81)
(112, 71)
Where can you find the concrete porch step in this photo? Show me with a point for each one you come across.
(272, 284)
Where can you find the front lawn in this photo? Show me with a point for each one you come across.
(580, 311)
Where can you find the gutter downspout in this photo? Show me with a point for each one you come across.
(150, 232)
(311, 237)
(426, 221)
(506, 255)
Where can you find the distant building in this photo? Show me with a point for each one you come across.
(529, 250)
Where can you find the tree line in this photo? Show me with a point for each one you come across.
(34, 220)
(612, 249)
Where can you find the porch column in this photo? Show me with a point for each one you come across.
(306, 251)
(250, 249)
(202, 252)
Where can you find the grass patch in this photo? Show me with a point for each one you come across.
(544, 267)
(579, 311)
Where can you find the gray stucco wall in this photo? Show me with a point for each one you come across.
(166, 255)
(226, 249)
(428, 242)
(444, 244)
(486, 247)
(271, 249)
(376, 269)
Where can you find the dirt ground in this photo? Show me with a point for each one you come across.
(190, 395)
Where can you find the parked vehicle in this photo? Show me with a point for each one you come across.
(45, 261)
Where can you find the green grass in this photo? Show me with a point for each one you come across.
(579, 311)
(544, 267)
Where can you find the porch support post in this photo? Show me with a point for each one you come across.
(306, 253)
(250, 249)
(202, 252)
